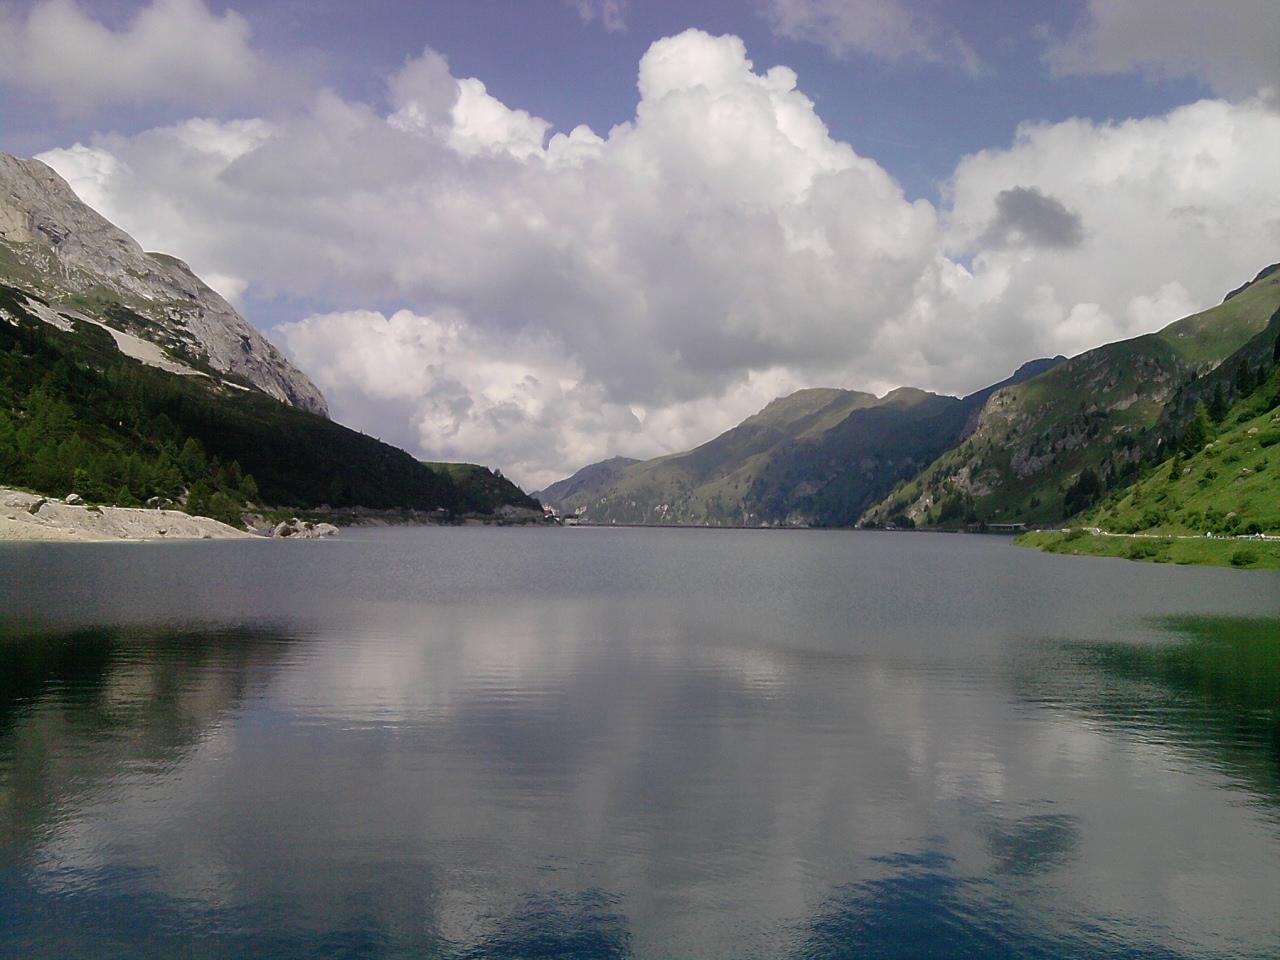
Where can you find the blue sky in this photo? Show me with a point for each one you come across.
(917, 119)
(538, 234)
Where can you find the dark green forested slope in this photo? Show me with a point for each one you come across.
(78, 415)
(483, 491)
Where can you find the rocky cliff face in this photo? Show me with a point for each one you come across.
(53, 244)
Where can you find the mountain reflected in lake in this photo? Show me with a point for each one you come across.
(597, 743)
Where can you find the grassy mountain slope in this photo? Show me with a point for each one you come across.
(77, 414)
(1098, 413)
(591, 478)
(1224, 385)
(1230, 488)
(708, 484)
(830, 479)
(817, 457)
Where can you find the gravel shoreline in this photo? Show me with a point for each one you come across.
(29, 516)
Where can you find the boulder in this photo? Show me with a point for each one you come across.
(74, 500)
(303, 529)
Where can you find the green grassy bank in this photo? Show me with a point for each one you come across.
(1200, 551)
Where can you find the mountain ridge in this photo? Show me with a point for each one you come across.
(1104, 412)
(1029, 449)
(817, 456)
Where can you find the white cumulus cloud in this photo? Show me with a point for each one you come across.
(438, 383)
(172, 51)
(547, 298)
(1172, 210)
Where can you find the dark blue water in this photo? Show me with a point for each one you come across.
(472, 743)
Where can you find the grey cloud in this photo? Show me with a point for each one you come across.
(888, 29)
(612, 14)
(1025, 216)
(425, 86)
(171, 51)
(1230, 46)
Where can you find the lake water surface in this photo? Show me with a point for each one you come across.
(473, 743)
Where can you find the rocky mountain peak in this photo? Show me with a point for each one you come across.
(55, 245)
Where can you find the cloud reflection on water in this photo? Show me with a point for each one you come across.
(606, 776)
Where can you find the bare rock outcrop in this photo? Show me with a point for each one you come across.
(64, 250)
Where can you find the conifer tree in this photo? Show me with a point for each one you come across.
(1218, 406)
(1198, 432)
(1244, 381)
(192, 461)
(8, 448)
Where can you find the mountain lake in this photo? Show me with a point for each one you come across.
(593, 742)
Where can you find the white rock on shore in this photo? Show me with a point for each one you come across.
(28, 516)
(303, 529)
